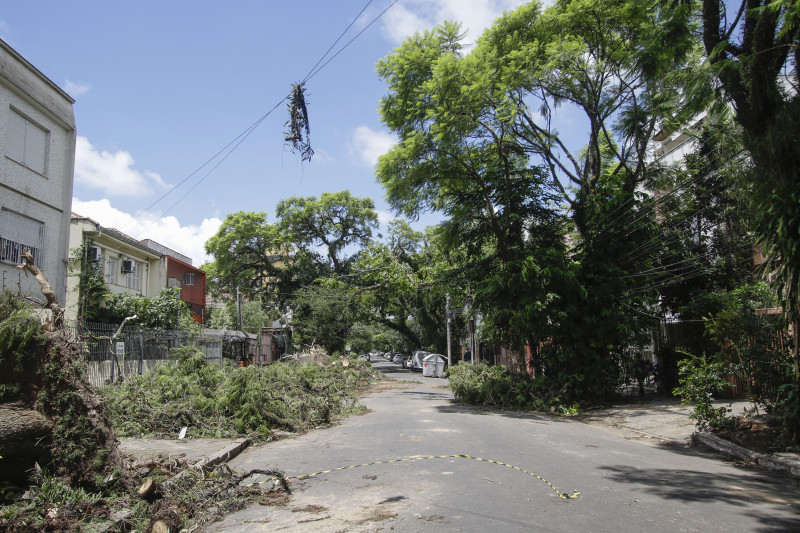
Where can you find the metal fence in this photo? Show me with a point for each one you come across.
(137, 350)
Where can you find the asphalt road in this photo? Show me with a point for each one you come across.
(623, 484)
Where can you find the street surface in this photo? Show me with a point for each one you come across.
(624, 483)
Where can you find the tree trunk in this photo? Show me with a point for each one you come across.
(24, 440)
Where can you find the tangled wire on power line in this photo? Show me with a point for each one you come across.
(298, 121)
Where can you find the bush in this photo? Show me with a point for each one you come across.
(699, 380)
(496, 386)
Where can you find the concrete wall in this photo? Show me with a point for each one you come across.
(44, 197)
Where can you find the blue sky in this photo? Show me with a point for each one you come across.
(162, 87)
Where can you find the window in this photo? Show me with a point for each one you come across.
(27, 142)
(111, 273)
(188, 278)
(19, 233)
(132, 278)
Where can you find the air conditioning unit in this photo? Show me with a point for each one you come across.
(128, 266)
(94, 253)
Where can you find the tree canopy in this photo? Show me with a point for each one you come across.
(333, 221)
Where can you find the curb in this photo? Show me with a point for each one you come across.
(225, 454)
(782, 464)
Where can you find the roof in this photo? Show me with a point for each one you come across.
(169, 252)
(117, 234)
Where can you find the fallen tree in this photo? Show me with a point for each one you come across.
(50, 415)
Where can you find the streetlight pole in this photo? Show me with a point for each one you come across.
(447, 318)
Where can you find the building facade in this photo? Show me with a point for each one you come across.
(127, 265)
(37, 159)
(190, 281)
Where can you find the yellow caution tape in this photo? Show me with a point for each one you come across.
(408, 459)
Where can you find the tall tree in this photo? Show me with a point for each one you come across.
(394, 284)
(477, 141)
(249, 252)
(754, 51)
(334, 221)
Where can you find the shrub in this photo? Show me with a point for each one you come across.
(496, 386)
(700, 378)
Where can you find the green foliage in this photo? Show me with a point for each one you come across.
(755, 58)
(333, 221)
(48, 491)
(477, 144)
(324, 314)
(229, 401)
(81, 437)
(751, 343)
(706, 242)
(254, 317)
(700, 379)
(395, 289)
(248, 253)
(496, 386)
(164, 311)
(22, 345)
(92, 290)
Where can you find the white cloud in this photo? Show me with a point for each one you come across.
(111, 173)
(384, 217)
(76, 89)
(367, 144)
(187, 240)
(416, 15)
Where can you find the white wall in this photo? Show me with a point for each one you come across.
(44, 197)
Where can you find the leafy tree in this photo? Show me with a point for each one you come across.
(250, 253)
(254, 317)
(755, 57)
(476, 142)
(705, 242)
(324, 314)
(334, 221)
(393, 280)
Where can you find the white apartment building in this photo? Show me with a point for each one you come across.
(37, 158)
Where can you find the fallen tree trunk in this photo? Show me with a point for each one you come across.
(24, 440)
(56, 401)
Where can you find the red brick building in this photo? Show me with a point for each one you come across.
(192, 283)
(189, 280)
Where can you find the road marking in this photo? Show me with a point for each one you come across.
(560, 494)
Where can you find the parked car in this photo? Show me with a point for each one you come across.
(397, 358)
(365, 357)
(407, 360)
(416, 360)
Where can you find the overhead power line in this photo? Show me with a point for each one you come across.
(229, 148)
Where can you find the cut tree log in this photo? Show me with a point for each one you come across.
(24, 436)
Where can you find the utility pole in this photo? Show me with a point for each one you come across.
(238, 310)
(447, 317)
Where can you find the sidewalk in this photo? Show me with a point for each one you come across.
(666, 420)
(195, 453)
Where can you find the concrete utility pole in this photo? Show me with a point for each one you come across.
(238, 310)
(447, 317)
